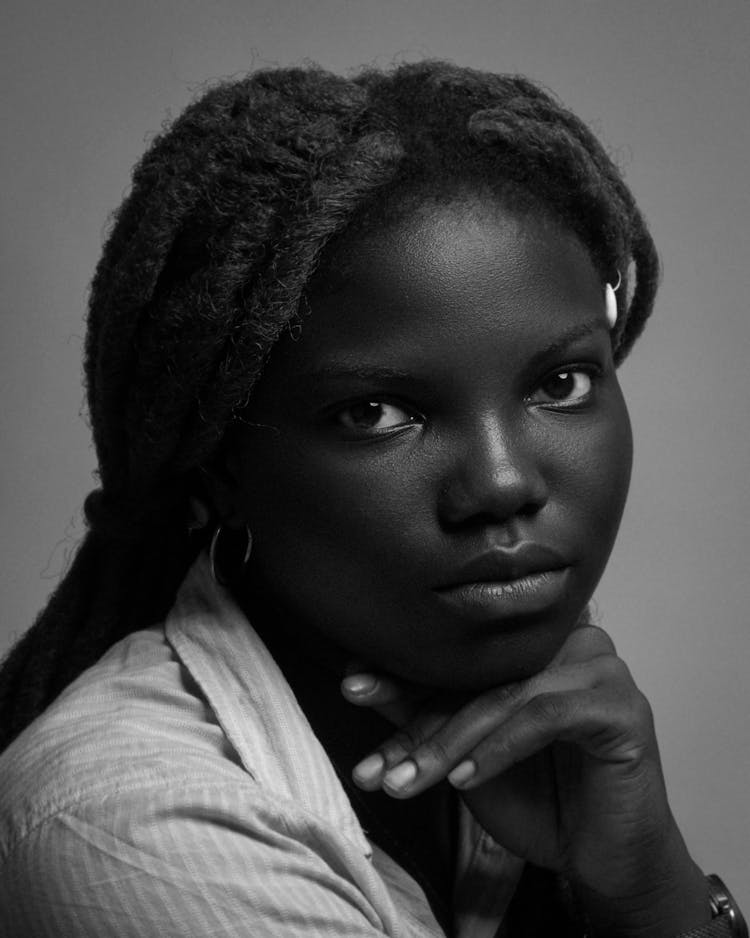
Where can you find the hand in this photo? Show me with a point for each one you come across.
(563, 769)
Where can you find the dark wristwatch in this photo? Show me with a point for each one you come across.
(727, 920)
(724, 906)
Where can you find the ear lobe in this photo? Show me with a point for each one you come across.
(219, 482)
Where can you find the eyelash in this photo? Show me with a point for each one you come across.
(591, 372)
(412, 418)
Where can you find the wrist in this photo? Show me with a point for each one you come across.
(665, 912)
(672, 899)
(726, 918)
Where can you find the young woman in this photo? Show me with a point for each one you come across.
(351, 370)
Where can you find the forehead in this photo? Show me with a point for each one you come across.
(452, 282)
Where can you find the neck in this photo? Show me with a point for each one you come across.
(418, 833)
(289, 638)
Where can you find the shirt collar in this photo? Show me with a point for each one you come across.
(253, 703)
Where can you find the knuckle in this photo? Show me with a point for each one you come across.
(642, 711)
(602, 639)
(498, 749)
(491, 706)
(504, 696)
(434, 752)
(593, 637)
(550, 708)
(611, 669)
(408, 738)
(494, 757)
(400, 745)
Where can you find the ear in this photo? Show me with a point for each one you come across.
(220, 483)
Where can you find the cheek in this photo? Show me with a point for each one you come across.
(606, 456)
(617, 453)
(327, 512)
(340, 546)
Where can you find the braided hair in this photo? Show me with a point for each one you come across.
(230, 213)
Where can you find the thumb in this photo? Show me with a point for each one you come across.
(396, 700)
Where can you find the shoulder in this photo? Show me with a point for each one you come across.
(133, 719)
(125, 810)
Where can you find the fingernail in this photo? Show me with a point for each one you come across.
(401, 777)
(370, 768)
(462, 773)
(359, 684)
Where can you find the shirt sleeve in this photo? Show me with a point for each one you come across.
(189, 859)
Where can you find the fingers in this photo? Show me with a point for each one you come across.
(392, 756)
(371, 690)
(584, 643)
(590, 699)
(430, 749)
(597, 722)
(395, 700)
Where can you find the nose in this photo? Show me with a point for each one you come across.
(495, 475)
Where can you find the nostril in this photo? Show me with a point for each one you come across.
(532, 506)
(492, 498)
(494, 472)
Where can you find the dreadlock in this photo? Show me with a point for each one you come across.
(230, 211)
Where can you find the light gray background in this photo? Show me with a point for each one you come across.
(86, 83)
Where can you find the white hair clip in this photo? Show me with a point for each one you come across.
(611, 300)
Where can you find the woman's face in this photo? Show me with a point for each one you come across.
(446, 451)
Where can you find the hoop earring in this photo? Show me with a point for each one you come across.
(611, 301)
(215, 574)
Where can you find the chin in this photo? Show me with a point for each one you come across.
(493, 660)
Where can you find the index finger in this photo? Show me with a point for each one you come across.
(583, 644)
(437, 749)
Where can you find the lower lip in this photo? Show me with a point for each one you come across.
(526, 596)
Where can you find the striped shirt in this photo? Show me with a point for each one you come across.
(176, 788)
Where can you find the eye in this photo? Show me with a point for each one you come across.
(374, 417)
(565, 388)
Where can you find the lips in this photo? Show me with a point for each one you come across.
(503, 565)
(529, 579)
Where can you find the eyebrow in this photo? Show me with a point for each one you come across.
(344, 370)
(360, 371)
(563, 343)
